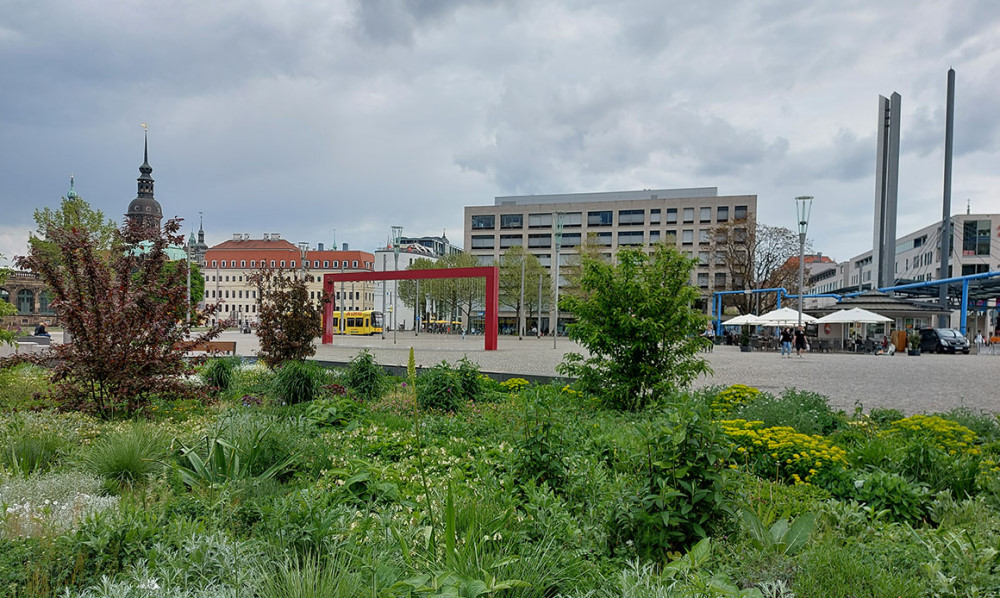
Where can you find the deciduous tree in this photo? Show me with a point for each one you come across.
(638, 322)
(288, 321)
(120, 305)
(757, 256)
(513, 278)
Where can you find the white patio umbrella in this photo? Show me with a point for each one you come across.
(852, 316)
(750, 319)
(785, 316)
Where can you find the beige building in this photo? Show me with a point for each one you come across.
(681, 217)
(227, 268)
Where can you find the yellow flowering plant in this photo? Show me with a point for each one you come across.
(734, 397)
(781, 453)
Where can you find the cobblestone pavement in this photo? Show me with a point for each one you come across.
(927, 383)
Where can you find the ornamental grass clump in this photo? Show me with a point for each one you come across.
(782, 453)
(220, 372)
(128, 457)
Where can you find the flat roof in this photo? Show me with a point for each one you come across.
(692, 192)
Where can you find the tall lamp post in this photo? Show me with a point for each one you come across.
(803, 205)
(397, 234)
(555, 305)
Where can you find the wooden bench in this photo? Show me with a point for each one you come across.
(38, 340)
(228, 347)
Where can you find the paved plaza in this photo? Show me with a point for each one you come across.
(927, 383)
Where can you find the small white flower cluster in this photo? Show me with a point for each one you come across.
(49, 503)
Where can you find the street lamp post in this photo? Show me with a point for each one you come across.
(803, 205)
(397, 234)
(555, 305)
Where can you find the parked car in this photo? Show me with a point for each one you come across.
(943, 340)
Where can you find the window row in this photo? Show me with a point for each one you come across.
(607, 218)
(601, 239)
(289, 264)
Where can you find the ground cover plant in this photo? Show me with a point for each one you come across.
(492, 489)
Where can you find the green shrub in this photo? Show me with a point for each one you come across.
(807, 412)
(299, 381)
(336, 411)
(683, 497)
(891, 492)
(127, 457)
(365, 377)
(883, 417)
(513, 385)
(539, 455)
(470, 380)
(24, 387)
(780, 452)
(440, 388)
(220, 372)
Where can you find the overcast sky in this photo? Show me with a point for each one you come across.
(322, 119)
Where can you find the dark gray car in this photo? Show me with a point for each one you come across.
(943, 340)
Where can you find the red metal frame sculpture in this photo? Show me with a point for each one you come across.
(490, 273)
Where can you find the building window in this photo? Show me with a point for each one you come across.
(654, 236)
(688, 214)
(703, 280)
(315, 263)
(722, 214)
(572, 219)
(272, 263)
(570, 240)
(485, 260)
(740, 213)
(976, 237)
(483, 241)
(630, 217)
(354, 264)
(630, 238)
(253, 263)
(602, 218)
(705, 214)
(603, 239)
(687, 237)
(508, 241)
(540, 240)
(511, 220)
(654, 216)
(545, 259)
(703, 258)
(539, 220)
(671, 215)
(704, 236)
(483, 222)
(25, 301)
(720, 281)
(292, 265)
(215, 264)
(336, 264)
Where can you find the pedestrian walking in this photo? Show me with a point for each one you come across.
(800, 341)
(786, 342)
(979, 343)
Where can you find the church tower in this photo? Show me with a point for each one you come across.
(144, 209)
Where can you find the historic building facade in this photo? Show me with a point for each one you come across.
(227, 268)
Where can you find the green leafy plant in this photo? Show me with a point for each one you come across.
(683, 498)
(470, 380)
(638, 321)
(224, 461)
(440, 388)
(539, 455)
(299, 381)
(782, 537)
(365, 376)
(336, 411)
(806, 412)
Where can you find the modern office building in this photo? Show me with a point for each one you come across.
(229, 265)
(973, 246)
(612, 220)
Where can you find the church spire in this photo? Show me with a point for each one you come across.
(144, 208)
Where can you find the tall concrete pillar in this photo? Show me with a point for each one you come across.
(886, 185)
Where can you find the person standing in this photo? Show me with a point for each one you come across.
(800, 341)
(786, 342)
(979, 343)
